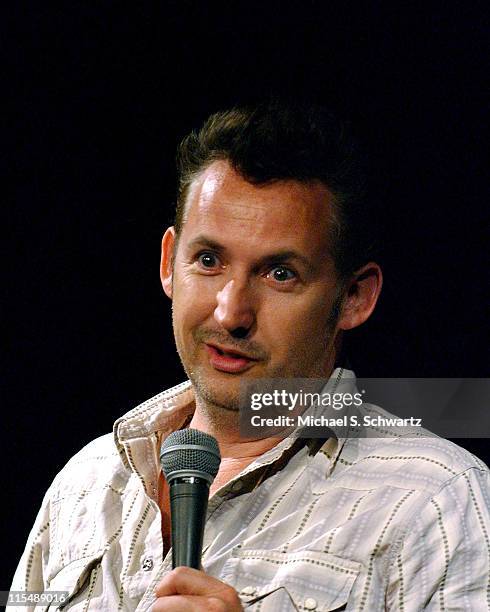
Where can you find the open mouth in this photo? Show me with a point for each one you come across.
(229, 353)
(228, 361)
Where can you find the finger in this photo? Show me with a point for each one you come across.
(188, 581)
(189, 603)
(174, 603)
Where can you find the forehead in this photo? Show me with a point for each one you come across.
(280, 214)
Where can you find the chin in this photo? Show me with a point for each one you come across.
(215, 392)
(224, 401)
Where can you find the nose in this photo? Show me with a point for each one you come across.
(234, 310)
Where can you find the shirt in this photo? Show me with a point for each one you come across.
(395, 523)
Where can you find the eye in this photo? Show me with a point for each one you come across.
(207, 260)
(281, 274)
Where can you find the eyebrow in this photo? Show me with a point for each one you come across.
(281, 256)
(203, 240)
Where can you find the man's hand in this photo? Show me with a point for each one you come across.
(189, 590)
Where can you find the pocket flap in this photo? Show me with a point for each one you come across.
(74, 577)
(304, 580)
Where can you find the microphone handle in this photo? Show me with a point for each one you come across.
(188, 508)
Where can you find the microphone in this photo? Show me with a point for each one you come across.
(190, 460)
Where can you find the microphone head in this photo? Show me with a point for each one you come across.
(190, 452)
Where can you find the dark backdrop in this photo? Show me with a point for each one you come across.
(99, 94)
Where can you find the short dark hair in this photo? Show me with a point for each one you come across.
(279, 140)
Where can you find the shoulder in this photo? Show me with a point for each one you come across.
(97, 464)
(424, 463)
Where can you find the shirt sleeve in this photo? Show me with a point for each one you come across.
(31, 570)
(443, 560)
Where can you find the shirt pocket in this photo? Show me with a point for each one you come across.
(271, 580)
(74, 579)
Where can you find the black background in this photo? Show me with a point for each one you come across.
(99, 94)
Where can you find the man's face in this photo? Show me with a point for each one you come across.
(253, 283)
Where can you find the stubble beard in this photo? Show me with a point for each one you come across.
(220, 409)
(227, 407)
(212, 402)
(210, 398)
(221, 406)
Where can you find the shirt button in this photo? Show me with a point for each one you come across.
(310, 603)
(249, 590)
(147, 564)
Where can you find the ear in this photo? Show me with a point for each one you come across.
(167, 263)
(362, 293)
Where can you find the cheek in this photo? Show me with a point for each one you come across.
(287, 323)
(192, 302)
(295, 327)
(195, 286)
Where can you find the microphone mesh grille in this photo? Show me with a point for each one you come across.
(204, 459)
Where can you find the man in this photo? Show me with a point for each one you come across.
(267, 265)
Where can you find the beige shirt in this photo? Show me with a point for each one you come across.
(397, 523)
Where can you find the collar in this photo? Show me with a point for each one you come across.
(139, 433)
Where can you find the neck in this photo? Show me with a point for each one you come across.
(227, 433)
(236, 453)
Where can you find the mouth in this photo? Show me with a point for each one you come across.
(228, 360)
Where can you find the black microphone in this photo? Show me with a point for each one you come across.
(190, 460)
